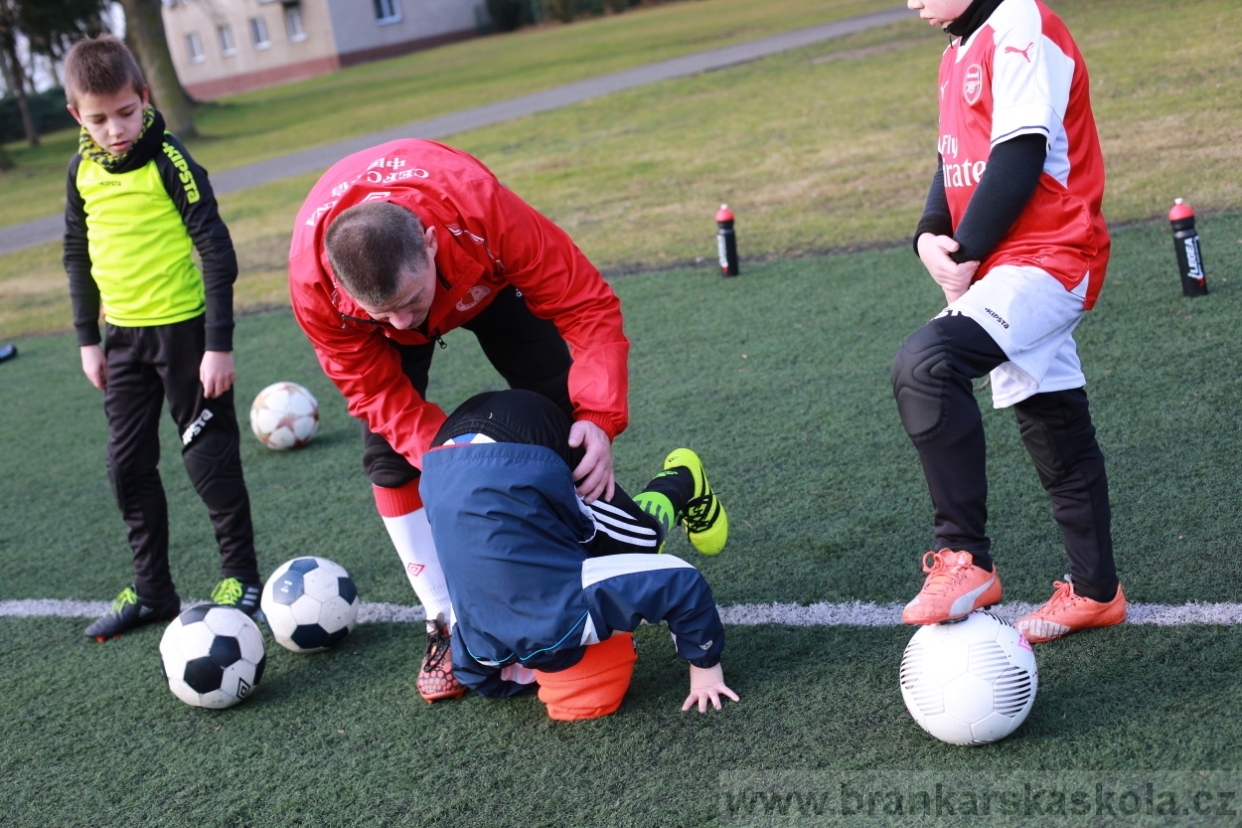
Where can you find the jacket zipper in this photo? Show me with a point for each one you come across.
(421, 330)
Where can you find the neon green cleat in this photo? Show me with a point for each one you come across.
(131, 611)
(705, 520)
(234, 592)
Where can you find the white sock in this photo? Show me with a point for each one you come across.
(518, 674)
(411, 535)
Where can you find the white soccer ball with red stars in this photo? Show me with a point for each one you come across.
(970, 682)
(284, 415)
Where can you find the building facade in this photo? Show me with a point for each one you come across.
(221, 47)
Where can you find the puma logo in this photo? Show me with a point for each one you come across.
(1015, 50)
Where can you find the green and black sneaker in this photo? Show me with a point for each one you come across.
(131, 611)
(234, 592)
(705, 520)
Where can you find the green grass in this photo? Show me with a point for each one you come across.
(269, 122)
(779, 379)
(823, 148)
(340, 739)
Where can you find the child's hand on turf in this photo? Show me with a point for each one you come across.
(707, 685)
(95, 366)
(216, 373)
(953, 278)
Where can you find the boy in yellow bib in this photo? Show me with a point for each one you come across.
(137, 206)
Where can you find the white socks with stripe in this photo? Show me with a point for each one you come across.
(411, 535)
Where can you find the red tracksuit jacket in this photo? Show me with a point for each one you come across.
(488, 239)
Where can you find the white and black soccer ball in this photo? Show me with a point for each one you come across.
(969, 683)
(212, 656)
(284, 415)
(310, 603)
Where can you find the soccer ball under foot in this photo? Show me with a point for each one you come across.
(969, 683)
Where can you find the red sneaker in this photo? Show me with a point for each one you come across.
(435, 679)
(1067, 612)
(954, 588)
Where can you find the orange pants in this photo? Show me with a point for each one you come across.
(593, 687)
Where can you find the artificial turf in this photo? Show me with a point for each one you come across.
(779, 379)
(92, 737)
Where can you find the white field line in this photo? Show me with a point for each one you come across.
(849, 614)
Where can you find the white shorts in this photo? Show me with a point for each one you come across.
(1032, 317)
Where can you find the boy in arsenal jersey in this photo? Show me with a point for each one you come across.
(1012, 232)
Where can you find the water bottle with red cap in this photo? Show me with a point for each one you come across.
(1186, 243)
(726, 241)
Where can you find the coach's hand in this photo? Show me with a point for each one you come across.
(593, 476)
(952, 277)
(95, 366)
(216, 373)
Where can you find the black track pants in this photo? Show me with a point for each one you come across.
(145, 367)
(933, 382)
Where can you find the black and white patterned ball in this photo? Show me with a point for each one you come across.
(212, 656)
(310, 603)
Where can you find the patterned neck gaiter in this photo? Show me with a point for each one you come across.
(140, 153)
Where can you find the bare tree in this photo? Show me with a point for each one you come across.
(47, 27)
(144, 31)
(11, 66)
(51, 26)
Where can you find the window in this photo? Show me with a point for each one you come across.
(258, 33)
(194, 45)
(293, 23)
(228, 46)
(387, 11)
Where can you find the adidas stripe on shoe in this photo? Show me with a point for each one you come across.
(131, 611)
(234, 592)
(705, 520)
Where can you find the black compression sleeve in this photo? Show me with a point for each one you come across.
(83, 292)
(1013, 171)
(936, 218)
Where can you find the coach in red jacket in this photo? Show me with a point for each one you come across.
(397, 245)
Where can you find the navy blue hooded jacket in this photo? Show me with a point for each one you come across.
(513, 539)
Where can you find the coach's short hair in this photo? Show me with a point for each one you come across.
(371, 246)
(101, 65)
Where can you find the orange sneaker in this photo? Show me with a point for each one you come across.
(435, 679)
(1067, 612)
(954, 588)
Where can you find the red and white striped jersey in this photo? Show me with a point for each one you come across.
(1021, 73)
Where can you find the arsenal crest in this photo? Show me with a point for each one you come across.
(972, 87)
